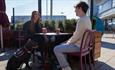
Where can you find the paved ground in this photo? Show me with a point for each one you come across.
(105, 62)
(107, 59)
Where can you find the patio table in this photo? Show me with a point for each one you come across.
(53, 39)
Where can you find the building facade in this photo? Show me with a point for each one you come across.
(106, 11)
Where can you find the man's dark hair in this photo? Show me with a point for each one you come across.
(83, 5)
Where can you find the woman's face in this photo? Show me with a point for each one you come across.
(36, 16)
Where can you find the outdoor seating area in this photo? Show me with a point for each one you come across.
(47, 35)
(102, 63)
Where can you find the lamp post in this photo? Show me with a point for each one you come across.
(46, 9)
(40, 7)
(51, 9)
(13, 18)
(63, 21)
(91, 9)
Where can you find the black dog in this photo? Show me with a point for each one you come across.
(22, 56)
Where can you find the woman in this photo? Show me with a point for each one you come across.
(33, 26)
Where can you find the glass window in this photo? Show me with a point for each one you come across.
(107, 5)
(113, 3)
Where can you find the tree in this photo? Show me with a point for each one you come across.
(74, 23)
(61, 26)
(52, 26)
(68, 26)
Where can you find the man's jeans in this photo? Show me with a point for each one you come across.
(64, 48)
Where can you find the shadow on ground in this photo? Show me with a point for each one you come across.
(108, 45)
(6, 55)
(102, 66)
(113, 37)
(99, 65)
(75, 65)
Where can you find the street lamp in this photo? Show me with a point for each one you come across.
(91, 9)
(40, 7)
(63, 20)
(46, 9)
(51, 9)
(13, 18)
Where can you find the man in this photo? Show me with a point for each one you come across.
(73, 44)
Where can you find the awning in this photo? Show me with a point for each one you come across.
(3, 17)
(4, 22)
(108, 14)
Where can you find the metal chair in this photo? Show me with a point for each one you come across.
(86, 48)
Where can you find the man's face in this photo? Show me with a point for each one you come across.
(77, 11)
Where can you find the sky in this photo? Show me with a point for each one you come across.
(25, 7)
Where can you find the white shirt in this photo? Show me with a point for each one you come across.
(82, 24)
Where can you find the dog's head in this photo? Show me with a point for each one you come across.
(31, 44)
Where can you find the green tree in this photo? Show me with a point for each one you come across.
(61, 26)
(46, 24)
(52, 26)
(73, 23)
(68, 26)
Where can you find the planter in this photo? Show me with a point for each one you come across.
(97, 48)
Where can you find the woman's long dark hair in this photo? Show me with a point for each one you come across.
(32, 17)
(32, 21)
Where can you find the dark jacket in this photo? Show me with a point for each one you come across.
(27, 31)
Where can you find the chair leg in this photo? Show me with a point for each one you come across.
(85, 63)
(92, 58)
(89, 57)
(81, 64)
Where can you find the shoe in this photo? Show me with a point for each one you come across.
(67, 68)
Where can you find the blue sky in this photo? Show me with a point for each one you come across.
(25, 7)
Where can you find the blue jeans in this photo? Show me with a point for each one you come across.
(64, 48)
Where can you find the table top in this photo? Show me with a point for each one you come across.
(53, 33)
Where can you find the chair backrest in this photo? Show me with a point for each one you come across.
(87, 41)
